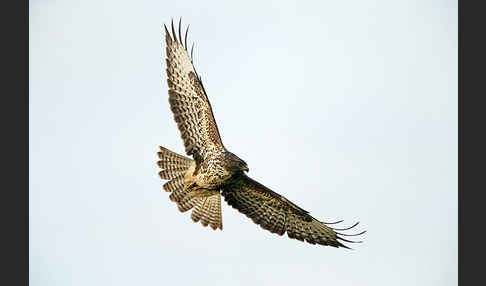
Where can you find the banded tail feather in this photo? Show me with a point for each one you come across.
(207, 209)
(174, 168)
(205, 204)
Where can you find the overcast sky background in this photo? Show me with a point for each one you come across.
(347, 108)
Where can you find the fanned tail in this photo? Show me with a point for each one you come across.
(205, 204)
(174, 167)
(209, 212)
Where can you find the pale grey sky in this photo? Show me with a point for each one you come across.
(347, 108)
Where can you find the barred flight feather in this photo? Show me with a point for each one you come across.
(276, 214)
(174, 168)
(188, 100)
(174, 184)
(208, 211)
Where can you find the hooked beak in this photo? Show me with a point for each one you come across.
(246, 168)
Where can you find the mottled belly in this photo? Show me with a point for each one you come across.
(211, 174)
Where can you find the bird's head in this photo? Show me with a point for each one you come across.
(234, 163)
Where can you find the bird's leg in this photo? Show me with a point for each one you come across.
(193, 187)
(192, 190)
(195, 190)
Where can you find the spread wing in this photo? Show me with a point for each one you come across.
(188, 100)
(276, 214)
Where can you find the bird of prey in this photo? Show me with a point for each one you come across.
(198, 183)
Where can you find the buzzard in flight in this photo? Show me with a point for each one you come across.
(197, 184)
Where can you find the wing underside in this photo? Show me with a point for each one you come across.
(188, 100)
(276, 214)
